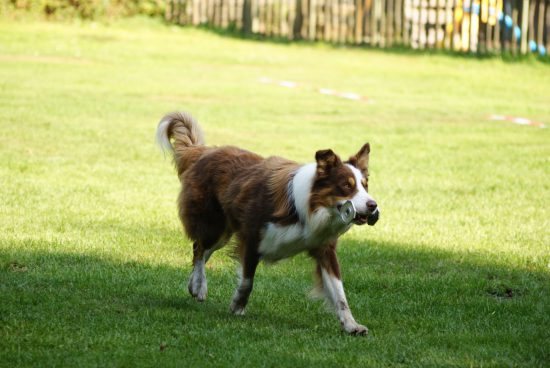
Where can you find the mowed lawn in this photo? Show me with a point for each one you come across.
(93, 261)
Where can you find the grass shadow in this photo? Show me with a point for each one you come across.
(421, 306)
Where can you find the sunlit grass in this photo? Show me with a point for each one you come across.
(93, 263)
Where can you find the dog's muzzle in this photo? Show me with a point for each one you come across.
(373, 217)
(349, 214)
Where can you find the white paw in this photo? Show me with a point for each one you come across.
(202, 291)
(354, 328)
(190, 286)
(237, 309)
(197, 286)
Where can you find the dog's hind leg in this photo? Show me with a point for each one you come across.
(202, 250)
(197, 285)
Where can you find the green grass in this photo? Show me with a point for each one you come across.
(93, 263)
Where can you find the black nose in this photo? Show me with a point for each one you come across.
(371, 205)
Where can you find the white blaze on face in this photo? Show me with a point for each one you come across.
(360, 198)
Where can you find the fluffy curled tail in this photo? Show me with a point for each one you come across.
(182, 128)
(180, 134)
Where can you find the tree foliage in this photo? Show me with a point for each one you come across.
(88, 9)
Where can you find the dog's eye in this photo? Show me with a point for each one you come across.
(346, 188)
(365, 183)
(349, 184)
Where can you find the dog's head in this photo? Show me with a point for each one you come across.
(337, 182)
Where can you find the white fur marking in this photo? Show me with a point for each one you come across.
(244, 287)
(198, 281)
(361, 198)
(311, 231)
(162, 136)
(301, 189)
(334, 291)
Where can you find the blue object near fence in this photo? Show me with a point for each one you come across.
(508, 21)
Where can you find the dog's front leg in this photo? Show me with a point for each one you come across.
(328, 273)
(249, 262)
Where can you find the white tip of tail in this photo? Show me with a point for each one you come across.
(162, 135)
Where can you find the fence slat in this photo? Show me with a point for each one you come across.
(359, 22)
(547, 28)
(524, 25)
(540, 30)
(516, 26)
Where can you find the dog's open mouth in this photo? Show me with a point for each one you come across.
(370, 219)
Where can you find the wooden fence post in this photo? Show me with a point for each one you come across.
(373, 23)
(546, 16)
(500, 28)
(533, 25)
(515, 18)
(388, 16)
(298, 20)
(168, 10)
(359, 22)
(524, 25)
(407, 11)
(398, 21)
(474, 25)
(449, 24)
(247, 17)
(540, 20)
(312, 19)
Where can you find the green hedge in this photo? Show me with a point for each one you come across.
(88, 9)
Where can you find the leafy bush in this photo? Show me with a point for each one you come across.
(88, 9)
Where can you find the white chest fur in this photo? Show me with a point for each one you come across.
(313, 230)
(281, 242)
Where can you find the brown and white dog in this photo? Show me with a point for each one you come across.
(275, 207)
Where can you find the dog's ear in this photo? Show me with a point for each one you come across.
(326, 161)
(361, 159)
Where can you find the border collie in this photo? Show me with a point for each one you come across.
(276, 208)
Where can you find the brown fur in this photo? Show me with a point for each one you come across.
(333, 181)
(326, 258)
(188, 139)
(279, 180)
(361, 160)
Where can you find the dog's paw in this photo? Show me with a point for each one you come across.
(190, 287)
(356, 329)
(202, 291)
(237, 309)
(197, 287)
(201, 294)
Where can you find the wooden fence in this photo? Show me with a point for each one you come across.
(478, 26)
